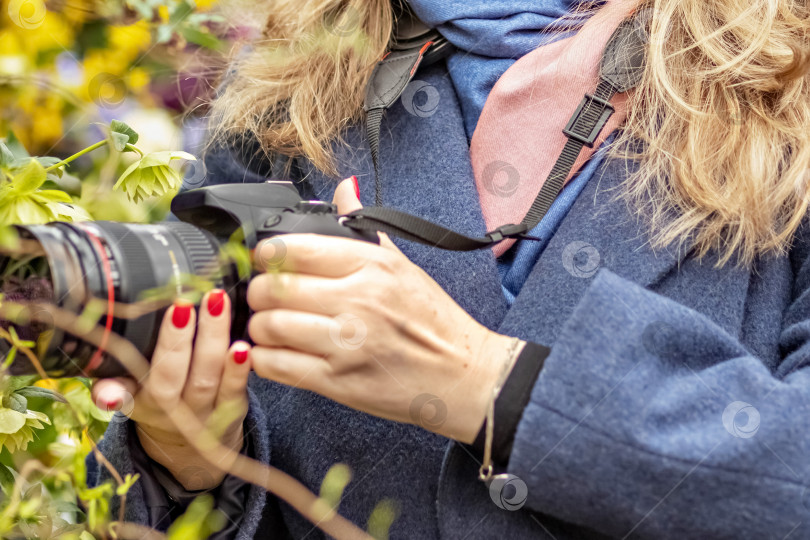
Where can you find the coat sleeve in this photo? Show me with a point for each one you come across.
(648, 420)
(116, 448)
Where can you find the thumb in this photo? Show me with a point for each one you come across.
(115, 394)
(347, 200)
(346, 196)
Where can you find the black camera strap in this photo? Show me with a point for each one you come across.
(621, 68)
(414, 45)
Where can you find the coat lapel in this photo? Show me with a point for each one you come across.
(599, 231)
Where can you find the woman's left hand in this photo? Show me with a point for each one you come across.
(362, 325)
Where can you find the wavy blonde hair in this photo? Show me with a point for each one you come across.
(719, 126)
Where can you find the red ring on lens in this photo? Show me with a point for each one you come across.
(96, 359)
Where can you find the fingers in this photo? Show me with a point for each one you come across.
(114, 394)
(289, 367)
(315, 254)
(347, 196)
(235, 374)
(210, 351)
(295, 291)
(305, 332)
(170, 362)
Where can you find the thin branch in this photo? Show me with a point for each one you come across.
(196, 433)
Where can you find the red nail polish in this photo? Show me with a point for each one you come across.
(240, 356)
(181, 315)
(356, 187)
(216, 302)
(113, 405)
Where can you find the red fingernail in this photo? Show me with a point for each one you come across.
(216, 302)
(240, 356)
(113, 405)
(356, 187)
(181, 315)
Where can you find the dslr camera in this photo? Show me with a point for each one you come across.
(118, 262)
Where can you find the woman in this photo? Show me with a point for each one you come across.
(657, 387)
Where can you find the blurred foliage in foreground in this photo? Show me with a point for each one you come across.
(67, 68)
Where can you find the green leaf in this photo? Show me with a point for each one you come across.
(337, 478)
(203, 39)
(382, 517)
(65, 182)
(117, 126)
(37, 392)
(180, 12)
(200, 520)
(129, 481)
(119, 141)
(16, 147)
(17, 402)
(6, 157)
(6, 479)
(29, 178)
(20, 381)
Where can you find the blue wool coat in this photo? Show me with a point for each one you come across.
(674, 403)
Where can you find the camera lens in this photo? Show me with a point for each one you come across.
(71, 264)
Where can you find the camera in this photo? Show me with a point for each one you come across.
(115, 264)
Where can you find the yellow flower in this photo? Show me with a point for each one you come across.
(130, 40)
(152, 176)
(48, 384)
(138, 79)
(17, 429)
(205, 5)
(53, 33)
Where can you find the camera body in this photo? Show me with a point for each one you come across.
(260, 211)
(119, 262)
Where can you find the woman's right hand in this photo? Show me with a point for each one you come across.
(205, 376)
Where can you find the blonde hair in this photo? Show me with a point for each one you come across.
(719, 126)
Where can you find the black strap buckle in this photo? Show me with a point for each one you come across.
(588, 120)
(507, 231)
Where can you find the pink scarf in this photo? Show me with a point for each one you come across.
(519, 134)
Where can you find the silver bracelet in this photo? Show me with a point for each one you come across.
(485, 472)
